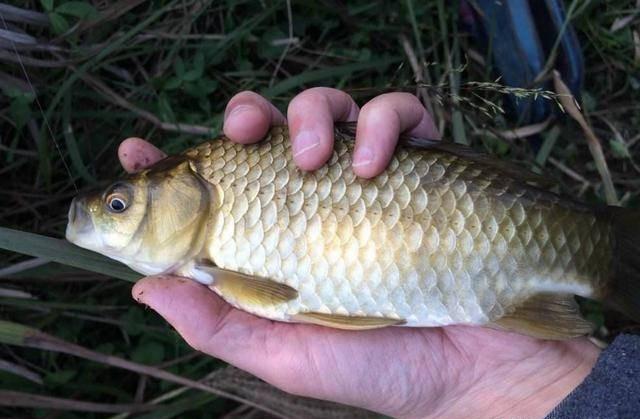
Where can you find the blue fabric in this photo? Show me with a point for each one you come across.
(569, 60)
(518, 36)
(515, 51)
(612, 390)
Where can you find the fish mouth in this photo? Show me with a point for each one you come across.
(72, 212)
(79, 224)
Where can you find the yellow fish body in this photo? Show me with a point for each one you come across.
(444, 236)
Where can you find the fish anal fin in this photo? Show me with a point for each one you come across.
(546, 316)
(247, 290)
(338, 321)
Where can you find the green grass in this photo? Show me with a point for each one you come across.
(164, 70)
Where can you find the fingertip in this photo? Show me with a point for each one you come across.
(376, 139)
(137, 291)
(311, 117)
(135, 154)
(312, 148)
(367, 166)
(249, 116)
(152, 290)
(382, 121)
(246, 124)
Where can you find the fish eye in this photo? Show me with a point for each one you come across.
(116, 203)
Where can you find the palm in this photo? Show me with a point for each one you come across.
(424, 369)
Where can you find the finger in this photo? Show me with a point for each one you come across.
(136, 154)
(248, 117)
(311, 115)
(380, 123)
(212, 326)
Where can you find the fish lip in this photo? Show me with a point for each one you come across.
(79, 222)
(71, 216)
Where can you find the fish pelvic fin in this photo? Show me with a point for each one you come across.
(338, 321)
(248, 290)
(546, 316)
(623, 290)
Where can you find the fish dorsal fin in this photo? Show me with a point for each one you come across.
(338, 321)
(508, 168)
(546, 316)
(348, 131)
(249, 290)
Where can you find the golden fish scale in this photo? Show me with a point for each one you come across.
(435, 240)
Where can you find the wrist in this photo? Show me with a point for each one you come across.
(530, 386)
(489, 373)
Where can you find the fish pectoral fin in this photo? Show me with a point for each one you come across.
(546, 316)
(338, 321)
(249, 290)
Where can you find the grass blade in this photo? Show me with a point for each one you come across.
(20, 399)
(180, 407)
(550, 139)
(43, 149)
(72, 144)
(569, 104)
(17, 334)
(61, 251)
(325, 73)
(20, 371)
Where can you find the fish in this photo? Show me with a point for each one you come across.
(444, 236)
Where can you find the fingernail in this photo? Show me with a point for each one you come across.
(303, 142)
(363, 156)
(238, 110)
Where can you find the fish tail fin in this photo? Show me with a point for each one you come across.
(623, 290)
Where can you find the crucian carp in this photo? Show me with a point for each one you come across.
(443, 236)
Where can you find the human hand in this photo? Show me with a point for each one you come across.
(454, 371)
(311, 116)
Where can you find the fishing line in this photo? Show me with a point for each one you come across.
(44, 117)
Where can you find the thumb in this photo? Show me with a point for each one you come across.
(212, 326)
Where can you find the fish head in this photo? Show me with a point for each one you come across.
(154, 221)
(106, 221)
